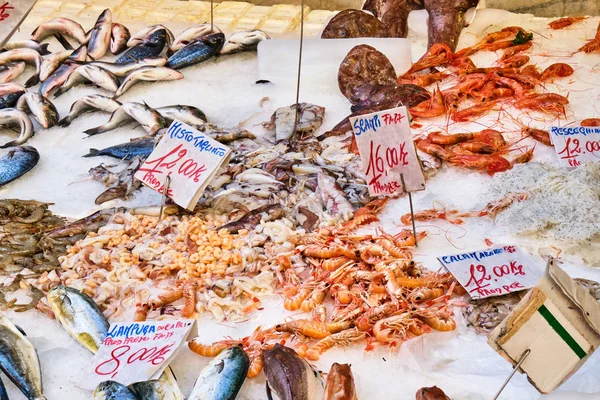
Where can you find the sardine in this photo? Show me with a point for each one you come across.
(10, 100)
(244, 41)
(79, 315)
(16, 163)
(431, 393)
(191, 34)
(29, 44)
(189, 115)
(148, 74)
(118, 38)
(288, 375)
(163, 388)
(64, 71)
(62, 26)
(90, 73)
(100, 35)
(19, 360)
(223, 377)
(126, 151)
(150, 47)
(142, 34)
(197, 51)
(340, 383)
(29, 56)
(52, 62)
(149, 118)
(111, 390)
(11, 70)
(40, 107)
(94, 102)
(13, 117)
(121, 70)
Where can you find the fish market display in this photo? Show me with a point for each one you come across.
(89, 74)
(111, 390)
(151, 46)
(89, 104)
(340, 383)
(197, 51)
(117, 178)
(191, 34)
(431, 393)
(137, 148)
(100, 35)
(62, 26)
(147, 74)
(122, 70)
(128, 113)
(243, 41)
(11, 70)
(288, 375)
(40, 107)
(12, 117)
(163, 388)
(62, 73)
(486, 314)
(223, 377)
(26, 55)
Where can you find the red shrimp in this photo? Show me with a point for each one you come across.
(558, 70)
(433, 149)
(564, 22)
(590, 122)
(483, 162)
(430, 108)
(550, 103)
(439, 54)
(468, 113)
(512, 51)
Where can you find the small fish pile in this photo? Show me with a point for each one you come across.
(484, 315)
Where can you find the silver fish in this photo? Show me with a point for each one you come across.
(11, 87)
(243, 41)
(19, 360)
(100, 35)
(89, 103)
(64, 71)
(79, 315)
(13, 117)
(16, 163)
(52, 62)
(163, 388)
(62, 26)
(223, 377)
(191, 34)
(29, 44)
(111, 390)
(149, 118)
(118, 38)
(29, 56)
(288, 375)
(121, 70)
(147, 31)
(11, 70)
(148, 74)
(187, 114)
(90, 73)
(40, 107)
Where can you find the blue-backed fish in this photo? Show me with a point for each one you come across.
(197, 51)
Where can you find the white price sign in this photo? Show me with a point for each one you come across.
(576, 144)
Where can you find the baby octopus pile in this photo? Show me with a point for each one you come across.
(356, 287)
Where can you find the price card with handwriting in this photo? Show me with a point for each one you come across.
(493, 272)
(136, 351)
(576, 144)
(189, 157)
(387, 150)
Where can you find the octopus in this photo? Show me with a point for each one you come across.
(354, 24)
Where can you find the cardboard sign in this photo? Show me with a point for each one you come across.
(558, 321)
(493, 272)
(12, 14)
(576, 144)
(136, 351)
(189, 157)
(387, 150)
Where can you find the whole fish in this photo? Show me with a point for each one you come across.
(148, 74)
(150, 47)
(340, 383)
(431, 393)
(100, 35)
(90, 73)
(10, 100)
(17, 162)
(197, 51)
(244, 41)
(288, 375)
(40, 107)
(142, 34)
(118, 38)
(191, 34)
(149, 118)
(11, 70)
(187, 114)
(111, 390)
(87, 104)
(52, 62)
(10, 87)
(163, 388)
(63, 72)
(79, 315)
(121, 70)
(19, 360)
(29, 44)
(29, 56)
(223, 377)
(13, 117)
(126, 151)
(62, 26)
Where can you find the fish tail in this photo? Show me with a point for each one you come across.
(59, 92)
(34, 80)
(66, 121)
(44, 49)
(6, 145)
(93, 131)
(92, 153)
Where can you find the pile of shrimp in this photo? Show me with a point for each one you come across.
(351, 288)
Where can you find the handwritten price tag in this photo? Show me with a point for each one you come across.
(576, 144)
(387, 150)
(493, 272)
(136, 351)
(189, 157)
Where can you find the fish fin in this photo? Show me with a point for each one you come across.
(92, 153)
(269, 395)
(63, 41)
(34, 80)
(44, 49)
(20, 330)
(220, 366)
(93, 131)
(64, 122)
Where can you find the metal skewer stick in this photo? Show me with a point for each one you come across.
(164, 196)
(516, 368)
(299, 65)
(212, 24)
(412, 212)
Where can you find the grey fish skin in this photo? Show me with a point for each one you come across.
(42, 109)
(126, 151)
(223, 377)
(244, 41)
(150, 47)
(10, 100)
(288, 375)
(89, 73)
(29, 44)
(17, 163)
(100, 35)
(29, 56)
(11, 70)
(149, 118)
(122, 70)
(191, 34)
(63, 26)
(143, 33)
(163, 388)
(198, 51)
(79, 315)
(19, 360)
(118, 38)
(111, 390)
(13, 117)
(88, 104)
(52, 62)
(63, 72)
(148, 74)
(187, 114)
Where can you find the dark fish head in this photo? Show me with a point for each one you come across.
(156, 38)
(214, 40)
